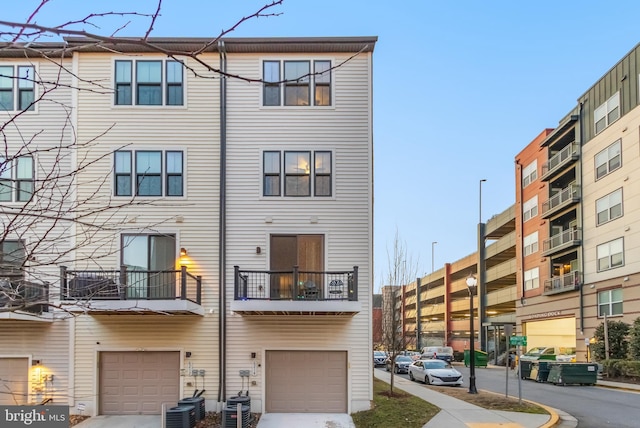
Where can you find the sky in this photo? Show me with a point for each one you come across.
(460, 88)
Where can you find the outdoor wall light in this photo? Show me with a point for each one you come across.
(183, 252)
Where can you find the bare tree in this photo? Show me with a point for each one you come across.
(402, 269)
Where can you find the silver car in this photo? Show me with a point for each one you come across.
(435, 372)
(379, 358)
(401, 365)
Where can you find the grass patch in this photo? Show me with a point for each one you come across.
(401, 410)
(490, 400)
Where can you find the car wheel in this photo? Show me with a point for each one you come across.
(411, 377)
(426, 380)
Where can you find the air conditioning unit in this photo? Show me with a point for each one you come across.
(198, 403)
(180, 417)
(230, 416)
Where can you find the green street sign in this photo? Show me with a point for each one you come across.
(518, 340)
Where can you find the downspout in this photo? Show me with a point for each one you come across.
(522, 299)
(222, 235)
(581, 280)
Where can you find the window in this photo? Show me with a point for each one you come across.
(150, 261)
(532, 278)
(607, 113)
(291, 83)
(608, 160)
(12, 258)
(17, 87)
(301, 176)
(609, 207)
(530, 244)
(529, 173)
(16, 179)
(530, 209)
(157, 82)
(610, 254)
(610, 302)
(151, 178)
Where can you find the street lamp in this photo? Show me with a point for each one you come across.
(471, 285)
(432, 254)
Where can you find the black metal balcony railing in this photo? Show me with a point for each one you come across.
(24, 296)
(565, 239)
(560, 159)
(295, 285)
(563, 283)
(126, 284)
(565, 197)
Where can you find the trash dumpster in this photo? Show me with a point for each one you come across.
(573, 373)
(539, 370)
(524, 369)
(480, 359)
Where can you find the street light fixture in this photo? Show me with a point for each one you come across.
(471, 285)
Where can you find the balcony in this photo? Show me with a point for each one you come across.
(295, 292)
(131, 291)
(562, 284)
(557, 162)
(24, 300)
(565, 198)
(561, 241)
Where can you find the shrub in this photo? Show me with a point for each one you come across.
(618, 342)
(634, 340)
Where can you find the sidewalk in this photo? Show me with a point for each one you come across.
(456, 413)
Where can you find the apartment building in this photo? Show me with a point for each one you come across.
(222, 229)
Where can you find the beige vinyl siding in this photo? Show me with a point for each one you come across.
(197, 335)
(345, 218)
(193, 218)
(46, 342)
(626, 178)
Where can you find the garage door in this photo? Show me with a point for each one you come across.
(306, 382)
(137, 383)
(559, 332)
(14, 381)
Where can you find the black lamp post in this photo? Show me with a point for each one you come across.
(471, 285)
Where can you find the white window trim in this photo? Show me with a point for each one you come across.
(607, 205)
(133, 151)
(36, 84)
(532, 279)
(603, 110)
(133, 104)
(607, 246)
(606, 151)
(14, 178)
(610, 303)
(530, 244)
(530, 209)
(311, 60)
(529, 173)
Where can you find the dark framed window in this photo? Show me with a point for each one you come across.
(13, 256)
(154, 172)
(609, 207)
(322, 173)
(293, 83)
(610, 302)
(17, 87)
(610, 255)
(156, 82)
(16, 179)
(271, 171)
(297, 173)
(297, 83)
(608, 160)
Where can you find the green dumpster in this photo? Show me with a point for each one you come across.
(539, 370)
(525, 369)
(573, 373)
(481, 359)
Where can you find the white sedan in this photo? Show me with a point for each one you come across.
(435, 372)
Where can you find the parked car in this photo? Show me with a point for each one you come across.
(401, 364)
(435, 372)
(444, 353)
(379, 358)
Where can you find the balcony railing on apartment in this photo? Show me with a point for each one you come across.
(567, 196)
(562, 284)
(21, 295)
(559, 160)
(560, 241)
(127, 284)
(295, 285)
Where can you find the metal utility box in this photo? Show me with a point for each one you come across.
(573, 373)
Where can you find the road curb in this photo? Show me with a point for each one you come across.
(553, 420)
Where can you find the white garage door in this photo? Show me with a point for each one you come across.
(560, 332)
(137, 383)
(306, 382)
(14, 381)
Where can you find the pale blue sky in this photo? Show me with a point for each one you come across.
(459, 89)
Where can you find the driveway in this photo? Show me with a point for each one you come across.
(133, 421)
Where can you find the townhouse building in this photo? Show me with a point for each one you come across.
(222, 238)
(36, 104)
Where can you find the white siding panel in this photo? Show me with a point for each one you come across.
(345, 219)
